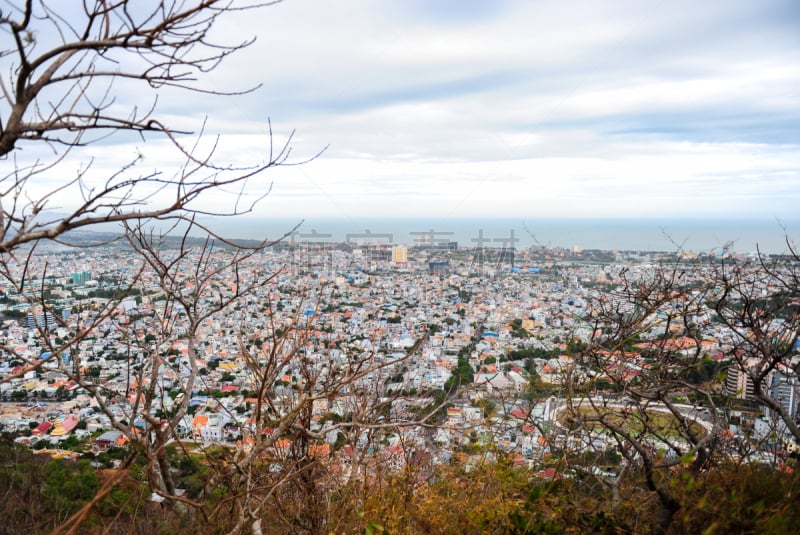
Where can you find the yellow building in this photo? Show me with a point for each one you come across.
(400, 254)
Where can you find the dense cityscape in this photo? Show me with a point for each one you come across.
(505, 323)
(423, 267)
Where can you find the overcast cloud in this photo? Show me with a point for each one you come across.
(514, 108)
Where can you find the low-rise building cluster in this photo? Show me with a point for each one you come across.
(515, 321)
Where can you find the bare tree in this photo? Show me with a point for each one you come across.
(756, 302)
(62, 70)
(650, 386)
(62, 73)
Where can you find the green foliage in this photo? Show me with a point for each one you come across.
(706, 369)
(113, 502)
(40, 492)
(71, 443)
(374, 529)
(487, 405)
(462, 374)
(107, 457)
(524, 353)
(68, 486)
(739, 499)
(492, 497)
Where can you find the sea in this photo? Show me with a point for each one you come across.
(628, 234)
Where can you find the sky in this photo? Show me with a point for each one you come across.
(506, 108)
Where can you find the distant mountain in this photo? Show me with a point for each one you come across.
(111, 234)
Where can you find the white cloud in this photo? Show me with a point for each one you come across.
(587, 108)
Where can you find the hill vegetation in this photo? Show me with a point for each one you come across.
(484, 492)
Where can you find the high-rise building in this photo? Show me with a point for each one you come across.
(81, 277)
(738, 383)
(438, 267)
(782, 387)
(785, 389)
(39, 319)
(400, 255)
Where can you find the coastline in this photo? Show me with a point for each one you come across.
(656, 234)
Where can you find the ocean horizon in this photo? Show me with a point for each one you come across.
(639, 234)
